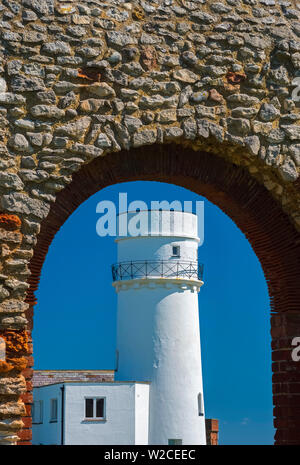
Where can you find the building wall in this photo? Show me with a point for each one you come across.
(119, 426)
(142, 414)
(126, 414)
(47, 432)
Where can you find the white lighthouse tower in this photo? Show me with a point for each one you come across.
(157, 279)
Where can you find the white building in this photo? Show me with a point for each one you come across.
(157, 396)
(86, 413)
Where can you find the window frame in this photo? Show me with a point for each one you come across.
(94, 418)
(53, 419)
(39, 421)
(200, 405)
(177, 255)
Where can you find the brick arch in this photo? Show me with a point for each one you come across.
(80, 81)
(269, 231)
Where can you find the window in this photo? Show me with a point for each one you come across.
(37, 412)
(53, 410)
(174, 442)
(200, 405)
(94, 408)
(176, 251)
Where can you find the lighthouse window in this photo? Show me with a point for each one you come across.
(94, 408)
(176, 251)
(200, 404)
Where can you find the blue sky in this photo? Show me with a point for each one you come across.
(75, 318)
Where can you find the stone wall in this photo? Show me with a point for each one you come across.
(80, 81)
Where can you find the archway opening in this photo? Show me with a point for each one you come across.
(234, 310)
(228, 186)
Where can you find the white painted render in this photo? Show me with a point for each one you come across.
(158, 338)
(141, 427)
(157, 223)
(156, 248)
(47, 432)
(126, 414)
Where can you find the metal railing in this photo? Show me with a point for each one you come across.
(157, 268)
